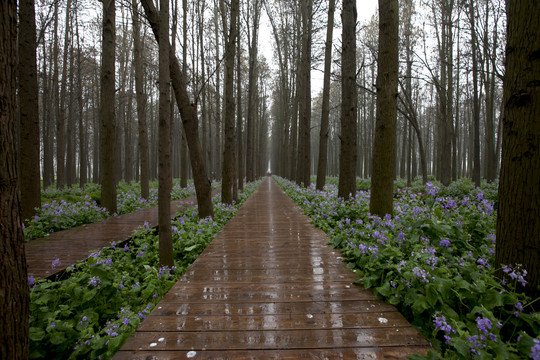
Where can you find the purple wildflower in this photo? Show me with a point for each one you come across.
(445, 243)
(54, 263)
(535, 350)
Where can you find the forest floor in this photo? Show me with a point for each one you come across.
(269, 286)
(49, 256)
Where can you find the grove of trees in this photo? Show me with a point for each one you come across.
(416, 91)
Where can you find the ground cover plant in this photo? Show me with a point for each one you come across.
(92, 312)
(434, 260)
(69, 207)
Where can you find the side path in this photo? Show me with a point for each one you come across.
(268, 286)
(75, 244)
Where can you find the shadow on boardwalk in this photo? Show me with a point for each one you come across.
(72, 245)
(268, 286)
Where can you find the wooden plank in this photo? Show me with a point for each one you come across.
(268, 286)
(271, 339)
(305, 321)
(387, 353)
(272, 308)
(73, 245)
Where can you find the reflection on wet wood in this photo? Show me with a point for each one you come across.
(268, 287)
(72, 245)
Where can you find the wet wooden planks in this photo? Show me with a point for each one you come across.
(268, 287)
(72, 245)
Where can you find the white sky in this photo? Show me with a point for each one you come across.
(365, 10)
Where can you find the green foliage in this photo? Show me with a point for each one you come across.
(434, 262)
(92, 312)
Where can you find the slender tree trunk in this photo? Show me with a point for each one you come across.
(61, 110)
(14, 298)
(349, 103)
(228, 148)
(239, 138)
(83, 154)
(165, 178)
(183, 149)
(304, 149)
(141, 102)
(189, 120)
(47, 123)
(323, 137)
(384, 148)
(28, 111)
(252, 96)
(108, 122)
(518, 218)
(476, 101)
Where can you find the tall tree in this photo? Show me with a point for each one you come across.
(253, 41)
(304, 90)
(518, 217)
(165, 174)
(141, 101)
(239, 137)
(108, 121)
(323, 137)
(384, 147)
(28, 110)
(14, 298)
(189, 120)
(61, 107)
(228, 148)
(184, 149)
(349, 102)
(476, 101)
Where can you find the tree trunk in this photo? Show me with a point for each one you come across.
(61, 110)
(83, 153)
(14, 298)
(228, 118)
(304, 149)
(252, 96)
(349, 103)
(183, 149)
(323, 136)
(239, 138)
(384, 148)
(518, 218)
(189, 120)
(47, 124)
(165, 179)
(476, 102)
(28, 111)
(141, 102)
(108, 122)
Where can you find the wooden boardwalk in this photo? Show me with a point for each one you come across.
(268, 287)
(72, 245)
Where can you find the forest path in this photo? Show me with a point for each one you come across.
(75, 244)
(269, 287)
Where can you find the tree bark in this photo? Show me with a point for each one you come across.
(108, 121)
(384, 148)
(183, 149)
(165, 177)
(28, 111)
(476, 102)
(228, 148)
(349, 103)
(239, 138)
(141, 102)
(252, 96)
(304, 148)
(14, 297)
(518, 217)
(189, 120)
(323, 136)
